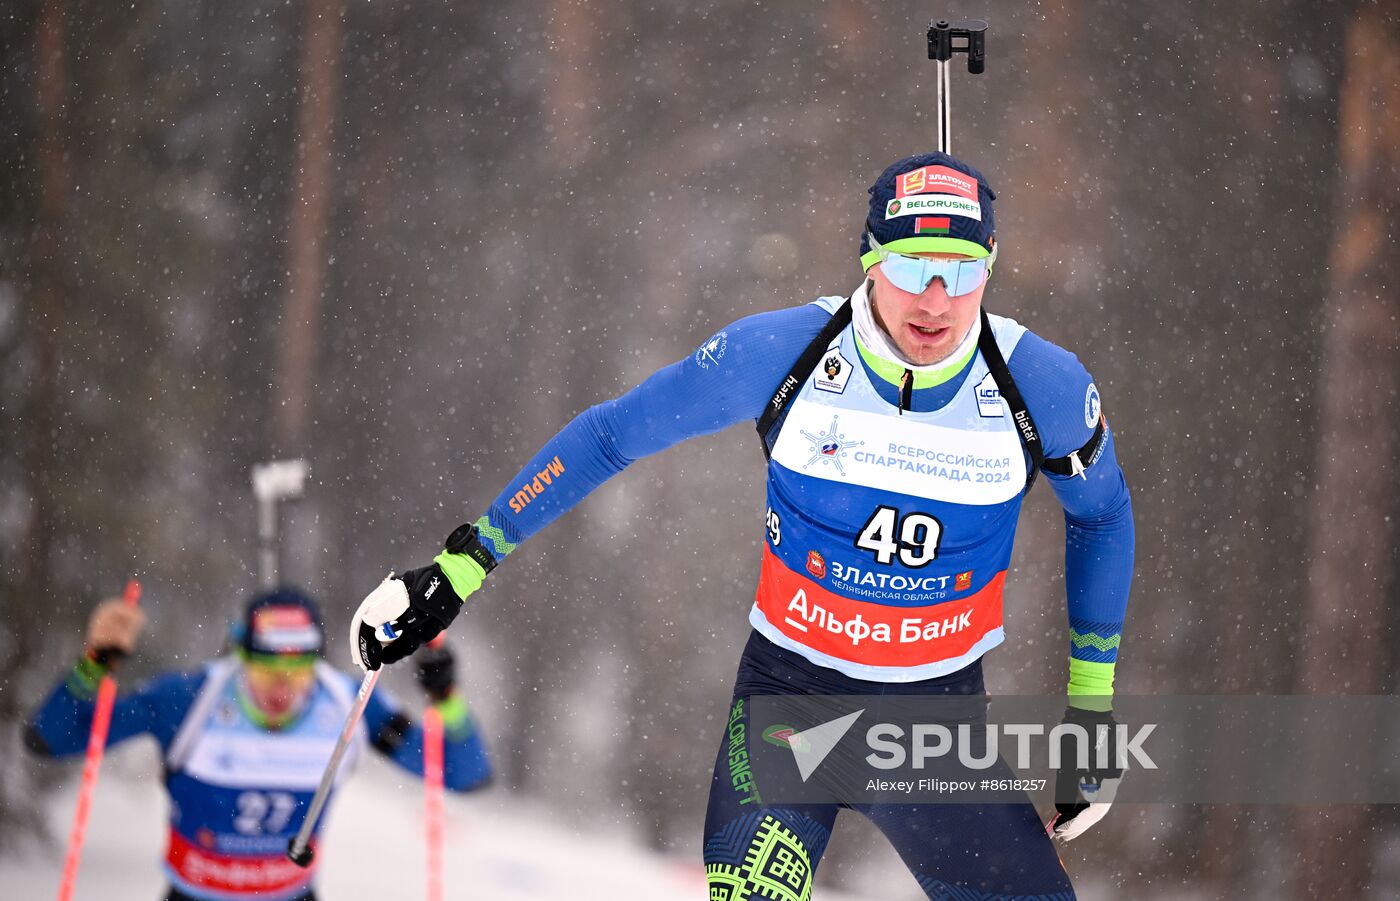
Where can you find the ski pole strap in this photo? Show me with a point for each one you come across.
(1025, 424)
(770, 423)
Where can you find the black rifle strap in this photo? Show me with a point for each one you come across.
(787, 391)
(1025, 425)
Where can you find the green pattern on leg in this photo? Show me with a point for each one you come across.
(776, 867)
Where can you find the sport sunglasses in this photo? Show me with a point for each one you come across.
(915, 274)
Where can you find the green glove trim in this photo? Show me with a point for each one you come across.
(1090, 685)
(453, 710)
(462, 571)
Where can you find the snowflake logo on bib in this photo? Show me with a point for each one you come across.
(830, 447)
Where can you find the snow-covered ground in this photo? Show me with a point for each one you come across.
(498, 847)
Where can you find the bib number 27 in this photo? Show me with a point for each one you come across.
(913, 538)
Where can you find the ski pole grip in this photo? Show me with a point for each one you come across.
(132, 594)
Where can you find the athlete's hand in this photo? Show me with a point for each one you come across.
(1083, 795)
(112, 630)
(400, 616)
(407, 611)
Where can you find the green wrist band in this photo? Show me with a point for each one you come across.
(85, 677)
(1090, 685)
(453, 710)
(462, 571)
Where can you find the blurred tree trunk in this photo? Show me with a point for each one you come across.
(306, 255)
(30, 576)
(1352, 545)
(46, 307)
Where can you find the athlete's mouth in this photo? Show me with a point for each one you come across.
(927, 332)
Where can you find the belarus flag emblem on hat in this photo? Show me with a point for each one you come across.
(932, 225)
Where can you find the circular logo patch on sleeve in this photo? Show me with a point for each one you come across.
(712, 351)
(1092, 406)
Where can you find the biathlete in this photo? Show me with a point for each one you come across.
(244, 740)
(903, 426)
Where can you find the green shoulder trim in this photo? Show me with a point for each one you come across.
(893, 372)
(462, 571)
(1090, 684)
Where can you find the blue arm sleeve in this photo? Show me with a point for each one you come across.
(728, 379)
(1098, 511)
(465, 764)
(60, 726)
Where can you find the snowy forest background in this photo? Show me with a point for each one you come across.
(410, 240)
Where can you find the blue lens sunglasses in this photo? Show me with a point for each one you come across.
(915, 274)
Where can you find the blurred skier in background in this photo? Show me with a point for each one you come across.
(245, 739)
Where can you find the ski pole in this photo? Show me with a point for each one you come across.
(97, 744)
(944, 39)
(432, 791)
(299, 849)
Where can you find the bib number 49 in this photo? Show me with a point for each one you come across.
(917, 541)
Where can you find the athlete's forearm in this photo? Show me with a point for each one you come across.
(584, 455)
(59, 727)
(465, 764)
(1099, 540)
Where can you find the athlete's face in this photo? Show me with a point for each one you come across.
(925, 327)
(278, 688)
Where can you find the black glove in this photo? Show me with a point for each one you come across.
(1084, 794)
(406, 612)
(437, 671)
(400, 616)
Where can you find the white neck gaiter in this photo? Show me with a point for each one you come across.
(879, 343)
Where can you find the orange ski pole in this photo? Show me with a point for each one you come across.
(432, 791)
(97, 743)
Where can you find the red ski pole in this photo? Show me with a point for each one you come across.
(97, 743)
(432, 791)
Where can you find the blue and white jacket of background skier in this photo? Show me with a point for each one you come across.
(889, 525)
(239, 791)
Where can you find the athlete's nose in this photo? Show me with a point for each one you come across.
(935, 300)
